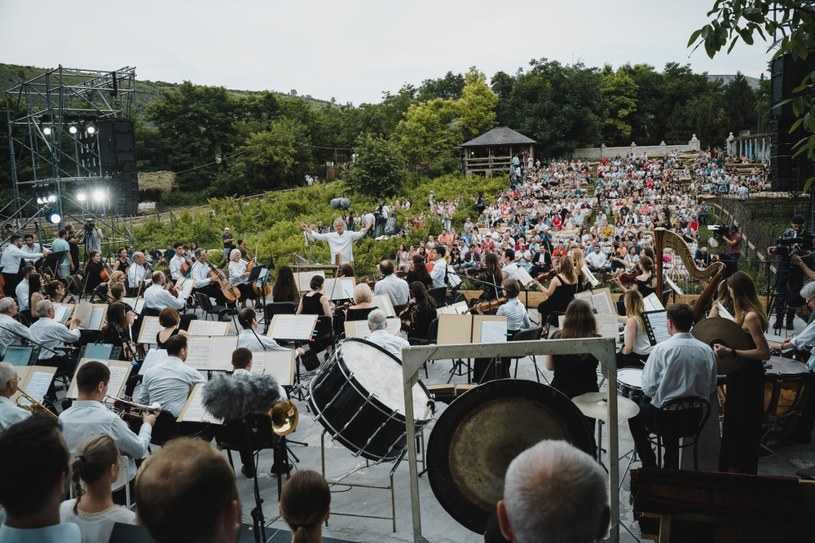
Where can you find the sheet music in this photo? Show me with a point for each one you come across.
(652, 302)
(458, 308)
(590, 276)
(194, 410)
(149, 328)
(136, 303)
(656, 326)
(198, 348)
(62, 312)
(608, 325)
(360, 328)
(304, 279)
(674, 286)
(724, 313)
(523, 276)
(153, 357)
(383, 302)
(455, 329)
(209, 328)
(210, 352)
(37, 386)
(97, 318)
(83, 311)
(493, 331)
(294, 327)
(341, 288)
(118, 378)
(186, 288)
(278, 364)
(452, 278)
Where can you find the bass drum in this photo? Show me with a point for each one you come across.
(358, 398)
(481, 432)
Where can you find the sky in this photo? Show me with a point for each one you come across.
(354, 50)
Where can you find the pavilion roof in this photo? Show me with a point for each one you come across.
(501, 135)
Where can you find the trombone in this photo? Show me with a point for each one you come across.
(32, 406)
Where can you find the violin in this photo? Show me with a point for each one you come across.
(406, 313)
(185, 267)
(489, 305)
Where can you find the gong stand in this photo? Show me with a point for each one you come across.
(414, 357)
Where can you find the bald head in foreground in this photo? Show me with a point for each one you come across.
(554, 492)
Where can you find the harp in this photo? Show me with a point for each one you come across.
(713, 274)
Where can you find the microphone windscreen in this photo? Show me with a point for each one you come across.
(232, 398)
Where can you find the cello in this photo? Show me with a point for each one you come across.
(230, 291)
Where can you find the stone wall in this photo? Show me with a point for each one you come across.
(661, 150)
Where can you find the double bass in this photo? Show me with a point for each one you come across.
(230, 291)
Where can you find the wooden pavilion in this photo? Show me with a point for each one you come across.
(493, 151)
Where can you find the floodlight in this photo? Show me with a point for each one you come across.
(72, 129)
(81, 196)
(46, 130)
(98, 195)
(53, 217)
(90, 129)
(52, 198)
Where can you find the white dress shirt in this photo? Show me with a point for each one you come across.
(31, 252)
(156, 297)
(12, 332)
(22, 293)
(51, 334)
(515, 312)
(395, 287)
(439, 272)
(391, 343)
(678, 367)
(339, 244)
(511, 270)
(200, 274)
(597, 259)
(10, 413)
(175, 267)
(137, 276)
(169, 383)
(86, 418)
(250, 339)
(10, 261)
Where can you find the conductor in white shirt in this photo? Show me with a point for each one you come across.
(9, 412)
(339, 241)
(88, 416)
(378, 325)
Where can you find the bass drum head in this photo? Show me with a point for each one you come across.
(481, 432)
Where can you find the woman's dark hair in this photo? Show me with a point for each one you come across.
(34, 285)
(579, 321)
(285, 289)
(51, 288)
(419, 293)
(117, 315)
(93, 458)
(317, 282)
(168, 317)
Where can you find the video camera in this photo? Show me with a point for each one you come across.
(89, 226)
(785, 247)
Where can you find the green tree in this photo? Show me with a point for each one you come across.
(740, 104)
(794, 22)
(428, 137)
(195, 130)
(620, 93)
(476, 106)
(379, 167)
(450, 87)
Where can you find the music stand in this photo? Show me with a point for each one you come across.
(52, 263)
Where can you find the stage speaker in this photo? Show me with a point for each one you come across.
(787, 173)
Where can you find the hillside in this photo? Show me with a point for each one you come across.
(12, 75)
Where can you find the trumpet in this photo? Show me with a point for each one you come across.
(129, 409)
(284, 417)
(32, 405)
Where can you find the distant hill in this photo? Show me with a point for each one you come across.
(12, 75)
(727, 78)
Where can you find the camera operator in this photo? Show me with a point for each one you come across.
(793, 242)
(91, 237)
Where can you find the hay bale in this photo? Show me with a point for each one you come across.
(160, 181)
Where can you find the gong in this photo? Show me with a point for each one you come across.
(725, 332)
(481, 432)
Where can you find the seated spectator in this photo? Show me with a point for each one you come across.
(202, 504)
(34, 474)
(554, 492)
(96, 464)
(305, 504)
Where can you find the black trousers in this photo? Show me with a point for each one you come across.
(641, 427)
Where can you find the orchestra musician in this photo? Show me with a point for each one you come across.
(54, 336)
(199, 272)
(250, 339)
(11, 261)
(285, 287)
(122, 262)
(637, 347)
(12, 331)
(93, 272)
(157, 297)
(138, 275)
(120, 318)
(494, 278)
(23, 289)
(513, 309)
(395, 287)
(178, 262)
(10, 413)
(744, 408)
(510, 268)
(561, 291)
(88, 417)
(239, 276)
(419, 313)
(314, 302)
(32, 248)
(380, 336)
(575, 374)
(168, 319)
(419, 272)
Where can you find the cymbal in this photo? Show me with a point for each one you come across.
(724, 332)
(595, 405)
